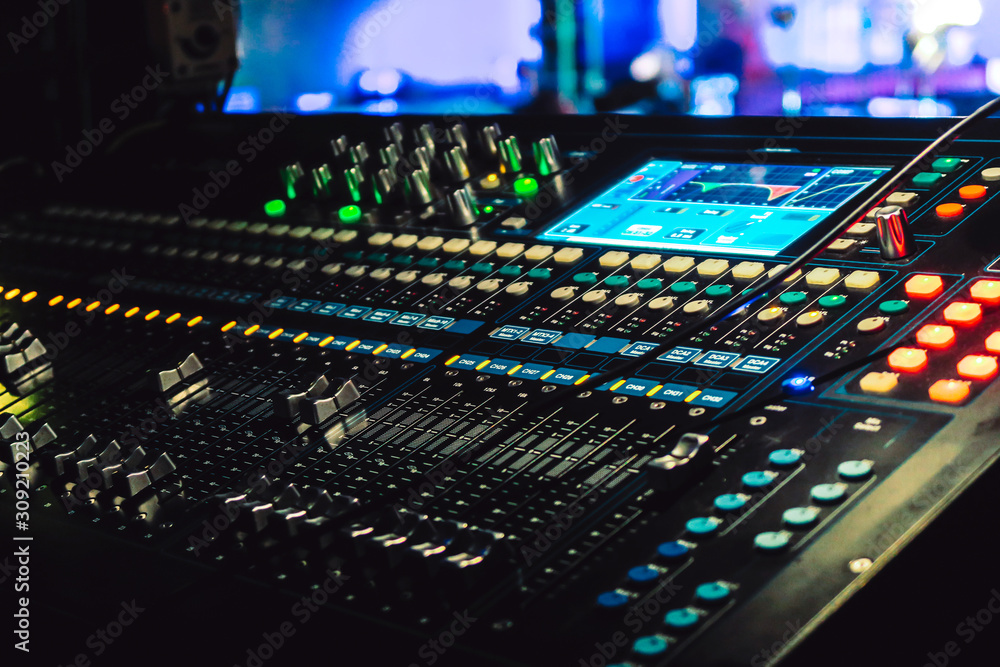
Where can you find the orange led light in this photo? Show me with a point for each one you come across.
(908, 360)
(972, 192)
(993, 342)
(132, 311)
(251, 330)
(173, 318)
(453, 360)
(29, 296)
(963, 313)
(93, 305)
(152, 315)
(73, 304)
(112, 308)
(326, 341)
(949, 210)
(351, 346)
(949, 391)
(301, 337)
(978, 367)
(195, 321)
(56, 300)
(986, 291)
(924, 287)
(274, 334)
(936, 337)
(11, 294)
(228, 326)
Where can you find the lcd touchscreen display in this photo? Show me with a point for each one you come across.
(741, 209)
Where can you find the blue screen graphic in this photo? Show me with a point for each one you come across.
(741, 209)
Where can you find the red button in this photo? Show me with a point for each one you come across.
(978, 367)
(963, 313)
(949, 210)
(986, 291)
(936, 337)
(924, 287)
(993, 342)
(972, 192)
(908, 360)
(949, 391)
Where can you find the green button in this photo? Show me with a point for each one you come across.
(650, 285)
(585, 278)
(719, 291)
(772, 541)
(540, 274)
(402, 260)
(793, 298)
(526, 187)
(354, 255)
(684, 287)
(275, 208)
(428, 262)
(350, 214)
(616, 281)
(510, 271)
(378, 257)
(482, 267)
(894, 307)
(832, 301)
(946, 165)
(926, 179)
(454, 265)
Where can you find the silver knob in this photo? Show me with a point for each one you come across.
(419, 187)
(489, 137)
(895, 239)
(458, 166)
(461, 208)
(547, 156)
(510, 155)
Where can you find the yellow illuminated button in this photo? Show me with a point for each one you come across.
(646, 262)
(861, 280)
(509, 250)
(713, 267)
(430, 243)
(949, 391)
(614, 258)
(822, 276)
(491, 182)
(949, 210)
(404, 241)
(538, 252)
(747, 270)
(908, 360)
(936, 337)
(595, 297)
(456, 245)
(841, 245)
(481, 248)
(986, 291)
(345, 235)
(770, 315)
(861, 229)
(871, 325)
(678, 264)
(780, 267)
(879, 383)
(563, 293)
(972, 192)
(963, 313)
(379, 239)
(978, 367)
(810, 319)
(993, 342)
(924, 287)
(568, 255)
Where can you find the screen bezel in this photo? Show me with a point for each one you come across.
(786, 157)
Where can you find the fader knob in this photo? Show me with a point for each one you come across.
(489, 138)
(510, 155)
(547, 156)
(461, 208)
(458, 165)
(419, 188)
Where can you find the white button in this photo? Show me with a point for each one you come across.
(257, 228)
(904, 199)
(770, 315)
(991, 174)
(645, 262)
(404, 240)
(514, 223)
(481, 248)
(231, 258)
(662, 303)
(871, 325)
(379, 239)
(407, 276)
(356, 271)
(460, 282)
(538, 252)
(518, 288)
(332, 269)
(614, 258)
(812, 318)
(345, 235)
(747, 270)
(841, 245)
(678, 264)
(300, 232)
(508, 250)
(235, 227)
(321, 234)
(297, 264)
(780, 267)
(433, 279)
(822, 276)
(190, 253)
(713, 267)
(595, 297)
(274, 263)
(699, 307)
(430, 243)
(630, 300)
(489, 285)
(861, 228)
(278, 230)
(382, 274)
(568, 255)
(456, 245)
(252, 260)
(563, 293)
(862, 280)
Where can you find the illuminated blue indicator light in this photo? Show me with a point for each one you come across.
(611, 599)
(651, 645)
(711, 592)
(799, 384)
(680, 618)
(643, 574)
(672, 550)
(785, 457)
(702, 525)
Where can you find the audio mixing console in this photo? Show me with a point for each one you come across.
(270, 368)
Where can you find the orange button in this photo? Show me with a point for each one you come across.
(963, 313)
(986, 291)
(924, 287)
(936, 337)
(949, 391)
(978, 367)
(993, 342)
(972, 192)
(908, 359)
(949, 210)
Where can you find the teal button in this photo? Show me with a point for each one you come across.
(650, 645)
(510, 271)
(650, 285)
(785, 457)
(828, 493)
(772, 541)
(482, 268)
(853, 470)
(378, 257)
(680, 618)
(585, 278)
(684, 287)
(793, 298)
(454, 265)
(800, 516)
(832, 301)
(702, 525)
(946, 165)
(428, 262)
(540, 274)
(730, 502)
(926, 179)
(611, 599)
(643, 574)
(402, 260)
(354, 255)
(616, 281)
(719, 291)
(894, 307)
(712, 591)
(759, 478)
